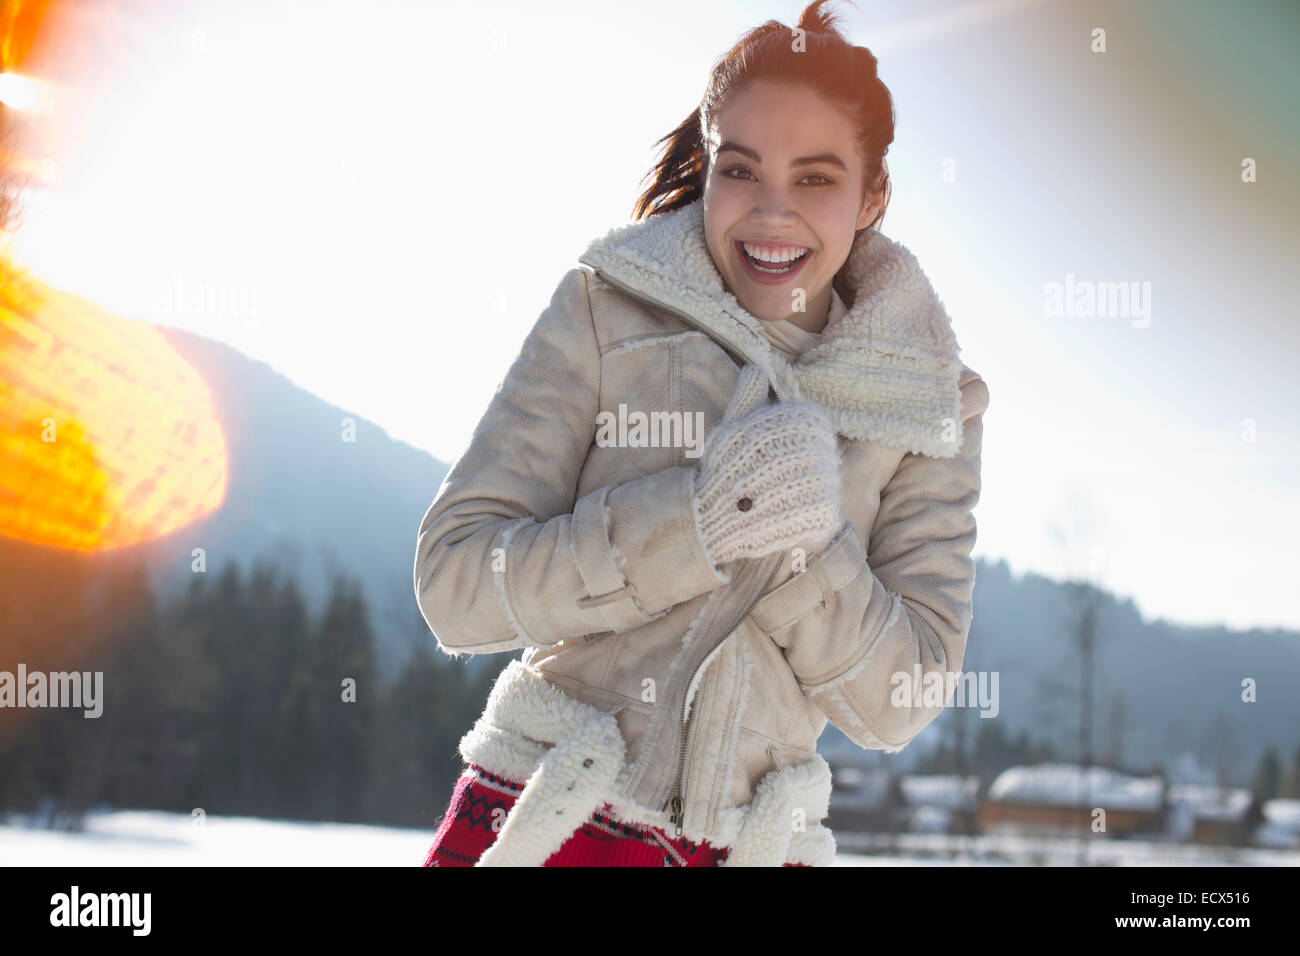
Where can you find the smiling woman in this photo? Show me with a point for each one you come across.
(690, 623)
(788, 156)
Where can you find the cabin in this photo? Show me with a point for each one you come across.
(1060, 799)
(1208, 813)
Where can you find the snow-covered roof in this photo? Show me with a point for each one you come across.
(1209, 802)
(1281, 826)
(940, 790)
(1283, 812)
(1064, 785)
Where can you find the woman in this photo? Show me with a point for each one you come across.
(693, 613)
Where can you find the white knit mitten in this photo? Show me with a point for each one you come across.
(768, 476)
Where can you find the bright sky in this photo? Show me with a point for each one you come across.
(378, 200)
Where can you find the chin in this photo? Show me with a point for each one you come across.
(777, 303)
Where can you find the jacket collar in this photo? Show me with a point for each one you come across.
(887, 370)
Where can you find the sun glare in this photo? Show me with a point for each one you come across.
(108, 437)
(20, 92)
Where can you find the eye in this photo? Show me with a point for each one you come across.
(727, 172)
(824, 180)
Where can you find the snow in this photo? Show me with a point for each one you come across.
(1281, 826)
(1283, 811)
(155, 838)
(1000, 849)
(1209, 802)
(1063, 785)
(1272, 835)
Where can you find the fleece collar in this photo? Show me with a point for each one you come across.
(887, 370)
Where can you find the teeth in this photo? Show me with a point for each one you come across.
(774, 255)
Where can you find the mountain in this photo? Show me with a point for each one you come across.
(316, 504)
(301, 494)
(297, 491)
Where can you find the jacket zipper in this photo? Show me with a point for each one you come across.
(676, 801)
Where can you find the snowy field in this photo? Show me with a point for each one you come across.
(154, 838)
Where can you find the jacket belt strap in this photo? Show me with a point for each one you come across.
(841, 562)
(606, 589)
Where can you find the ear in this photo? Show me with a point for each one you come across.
(873, 201)
(870, 209)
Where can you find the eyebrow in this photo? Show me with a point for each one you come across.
(830, 158)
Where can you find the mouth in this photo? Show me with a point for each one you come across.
(780, 265)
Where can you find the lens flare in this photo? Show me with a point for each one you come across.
(108, 437)
(19, 92)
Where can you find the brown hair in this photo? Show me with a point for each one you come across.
(828, 63)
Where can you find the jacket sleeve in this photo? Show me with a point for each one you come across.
(506, 558)
(852, 620)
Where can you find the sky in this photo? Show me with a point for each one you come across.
(379, 199)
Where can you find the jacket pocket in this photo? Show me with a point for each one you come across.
(660, 392)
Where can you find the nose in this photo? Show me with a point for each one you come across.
(772, 208)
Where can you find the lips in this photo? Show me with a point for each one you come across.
(767, 273)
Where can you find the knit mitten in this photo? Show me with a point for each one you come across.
(768, 476)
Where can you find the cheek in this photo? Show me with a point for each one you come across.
(831, 205)
(834, 218)
(721, 198)
(721, 212)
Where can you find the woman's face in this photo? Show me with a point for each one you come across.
(784, 178)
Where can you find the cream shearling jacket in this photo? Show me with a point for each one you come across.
(691, 698)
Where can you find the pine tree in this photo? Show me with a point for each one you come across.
(1290, 784)
(342, 681)
(1268, 774)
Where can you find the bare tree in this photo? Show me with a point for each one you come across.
(1220, 739)
(1116, 728)
(1084, 559)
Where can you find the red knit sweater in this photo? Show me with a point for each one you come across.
(478, 809)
